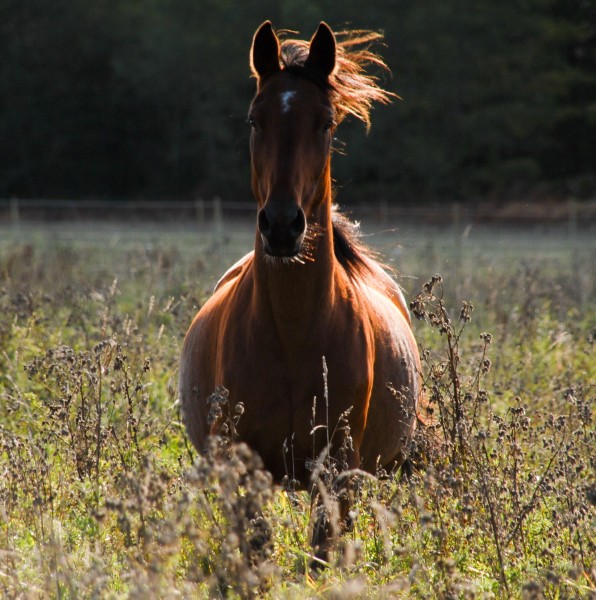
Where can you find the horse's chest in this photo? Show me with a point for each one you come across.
(287, 392)
(258, 362)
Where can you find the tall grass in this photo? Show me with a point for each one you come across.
(102, 496)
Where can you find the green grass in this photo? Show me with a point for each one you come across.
(102, 496)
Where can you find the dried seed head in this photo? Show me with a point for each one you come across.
(465, 314)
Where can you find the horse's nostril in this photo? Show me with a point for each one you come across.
(298, 225)
(263, 222)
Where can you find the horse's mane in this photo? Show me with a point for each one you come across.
(362, 264)
(352, 90)
(350, 251)
(357, 259)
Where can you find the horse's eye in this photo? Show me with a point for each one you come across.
(328, 125)
(252, 122)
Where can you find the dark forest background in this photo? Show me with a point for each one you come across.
(148, 98)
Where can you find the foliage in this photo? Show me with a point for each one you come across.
(101, 495)
(149, 98)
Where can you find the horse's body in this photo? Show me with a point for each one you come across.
(309, 290)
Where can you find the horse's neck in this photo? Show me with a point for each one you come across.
(297, 292)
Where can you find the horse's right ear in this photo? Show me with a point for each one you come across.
(264, 54)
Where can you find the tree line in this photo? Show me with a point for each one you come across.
(148, 98)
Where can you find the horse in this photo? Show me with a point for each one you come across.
(309, 291)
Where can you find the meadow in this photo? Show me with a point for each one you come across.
(101, 494)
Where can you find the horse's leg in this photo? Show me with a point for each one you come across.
(333, 508)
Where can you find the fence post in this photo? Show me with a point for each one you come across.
(200, 212)
(218, 215)
(14, 211)
(574, 246)
(572, 220)
(383, 211)
(457, 250)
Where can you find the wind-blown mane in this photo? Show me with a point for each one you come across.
(350, 251)
(352, 90)
(360, 262)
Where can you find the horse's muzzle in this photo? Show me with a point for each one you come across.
(282, 229)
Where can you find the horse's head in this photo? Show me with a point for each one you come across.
(292, 119)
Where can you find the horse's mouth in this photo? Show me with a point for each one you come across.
(276, 249)
(282, 253)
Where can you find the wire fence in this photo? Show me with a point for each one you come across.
(452, 239)
(214, 213)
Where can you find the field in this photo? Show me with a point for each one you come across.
(102, 496)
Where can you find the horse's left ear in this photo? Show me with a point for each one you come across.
(321, 56)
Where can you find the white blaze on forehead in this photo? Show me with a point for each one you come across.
(286, 98)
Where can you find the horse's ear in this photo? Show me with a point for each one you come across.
(321, 56)
(264, 54)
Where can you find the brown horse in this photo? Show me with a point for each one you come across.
(309, 290)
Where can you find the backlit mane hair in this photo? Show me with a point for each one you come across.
(352, 90)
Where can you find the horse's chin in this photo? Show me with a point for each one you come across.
(282, 252)
(280, 260)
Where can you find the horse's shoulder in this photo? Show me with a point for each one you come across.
(235, 270)
(214, 310)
